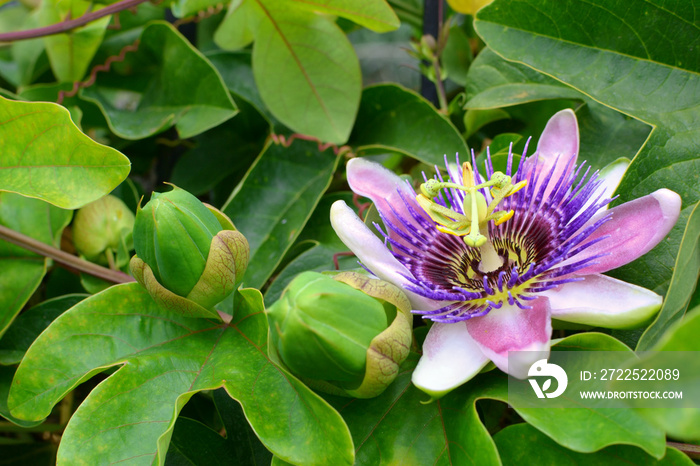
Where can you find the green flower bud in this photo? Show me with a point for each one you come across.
(188, 254)
(102, 228)
(172, 234)
(345, 334)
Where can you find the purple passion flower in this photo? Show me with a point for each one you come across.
(492, 261)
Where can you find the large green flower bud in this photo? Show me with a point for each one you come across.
(188, 254)
(102, 230)
(345, 334)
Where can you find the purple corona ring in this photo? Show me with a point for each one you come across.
(491, 261)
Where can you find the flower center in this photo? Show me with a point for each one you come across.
(474, 258)
(472, 223)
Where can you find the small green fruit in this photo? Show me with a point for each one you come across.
(102, 225)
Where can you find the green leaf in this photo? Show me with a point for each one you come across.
(29, 54)
(394, 118)
(70, 53)
(168, 82)
(605, 133)
(306, 71)
(183, 8)
(22, 271)
(166, 358)
(493, 83)
(247, 448)
(683, 283)
(624, 55)
(47, 157)
(195, 444)
(475, 119)
(18, 281)
(322, 242)
(376, 15)
(212, 158)
(520, 443)
(398, 428)
(275, 199)
(589, 430)
(457, 55)
(237, 72)
(13, 17)
(680, 423)
(27, 327)
(6, 375)
(237, 30)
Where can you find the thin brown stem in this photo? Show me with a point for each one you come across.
(69, 24)
(63, 257)
(693, 451)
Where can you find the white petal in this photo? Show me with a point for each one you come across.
(610, 175)
(450, 358)
(603, 301)
(373, 253)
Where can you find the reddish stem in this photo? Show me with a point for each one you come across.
(338, 254)
(69, 24)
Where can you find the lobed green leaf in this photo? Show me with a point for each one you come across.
(274, 201)
(626, 55)
(169, 83)
(520, 443)
(165, 359)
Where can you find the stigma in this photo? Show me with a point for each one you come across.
(471, 224)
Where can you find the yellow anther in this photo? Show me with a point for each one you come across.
(430, 188)
(467, 175)
(452, 231)
(515, 188)
(505, 217)
(500, 180)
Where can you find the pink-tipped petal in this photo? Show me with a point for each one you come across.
(635, 228)
(382, 186)
(557, 149)
(525, 331)
(603, 301)
(450, 358)
(373, 253)
(560, 137)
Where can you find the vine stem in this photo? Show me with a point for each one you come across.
(69, 24)
(693, 451)
(63, 257)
